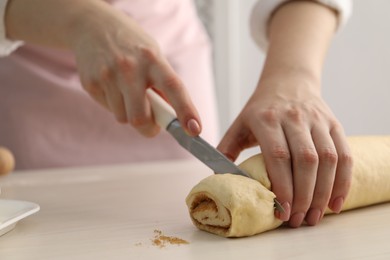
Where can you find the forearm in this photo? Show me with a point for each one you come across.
(299, 36)
(51, 23)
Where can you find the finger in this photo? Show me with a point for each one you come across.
(277, 160)
(170, 86)
(132, 83)
(96, 92)
(113, 95)
(343, 177)
(304, 165)
(325, 176)
(236, 139)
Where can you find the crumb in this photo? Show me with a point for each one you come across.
(138, 244)
(158, 232)
(157, 242)
(160, 240)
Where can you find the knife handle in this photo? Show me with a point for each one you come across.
(163, 113)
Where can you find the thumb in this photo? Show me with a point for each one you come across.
(236, 139)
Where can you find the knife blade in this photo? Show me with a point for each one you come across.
(166, 118)
(202, 150)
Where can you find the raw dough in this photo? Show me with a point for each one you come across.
(235, 206)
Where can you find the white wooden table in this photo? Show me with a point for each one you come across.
(112, 212)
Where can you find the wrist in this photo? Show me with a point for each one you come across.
(291, 72)
(87, 21)
(290, 81)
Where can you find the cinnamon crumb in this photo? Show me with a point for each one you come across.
(161, 240)
(157, 242)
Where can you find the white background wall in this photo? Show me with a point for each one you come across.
(356, 81)
(357, 72)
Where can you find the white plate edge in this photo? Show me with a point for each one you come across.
(15, 219)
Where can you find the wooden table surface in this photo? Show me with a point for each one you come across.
(112, 212)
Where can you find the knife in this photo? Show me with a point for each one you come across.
(166, 118)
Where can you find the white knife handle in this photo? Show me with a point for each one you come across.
(162, 111)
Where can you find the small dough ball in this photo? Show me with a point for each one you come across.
(7, 161)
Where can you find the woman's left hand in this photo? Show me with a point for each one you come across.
(304, 146)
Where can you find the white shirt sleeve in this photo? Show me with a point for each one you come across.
(6, 46)
(263, 10)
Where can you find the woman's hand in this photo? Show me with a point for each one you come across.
(304, 147)
(116, 59)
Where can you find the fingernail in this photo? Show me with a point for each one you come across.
(313, 216)
(296, 219)
(277, 214)
(229, 156)
(193, 127)
(284, 216)
(337, 204)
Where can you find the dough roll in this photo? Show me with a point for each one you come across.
(235, 206)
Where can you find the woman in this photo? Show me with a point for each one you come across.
(47, 120)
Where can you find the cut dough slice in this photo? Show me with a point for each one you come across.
(235, 206)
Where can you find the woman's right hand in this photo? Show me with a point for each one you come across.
(118, 61)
